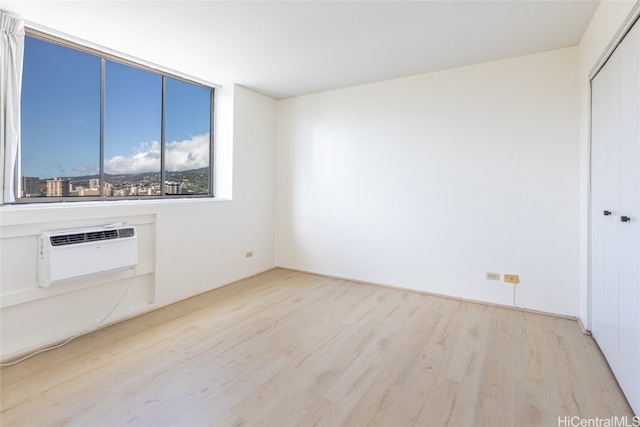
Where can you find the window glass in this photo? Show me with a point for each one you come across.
(60, 114)
(87, 118)
(187, 127)
(132, 124)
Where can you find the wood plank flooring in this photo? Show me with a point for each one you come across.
(291, 349)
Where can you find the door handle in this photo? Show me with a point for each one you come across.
(625, 218)
(607, 213)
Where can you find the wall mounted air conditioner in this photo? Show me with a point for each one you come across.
(66, 255)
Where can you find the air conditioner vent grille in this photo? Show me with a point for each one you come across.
(91, 236)
(95, 236)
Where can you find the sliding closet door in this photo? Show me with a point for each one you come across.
(605, 212)
(629, 232)
(615, 214)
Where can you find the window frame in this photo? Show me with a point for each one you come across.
(109, 55)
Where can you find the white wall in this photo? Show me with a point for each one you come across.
(603, 27)
(428, 182)
(185, 246)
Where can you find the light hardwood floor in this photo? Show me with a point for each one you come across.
(287, 348)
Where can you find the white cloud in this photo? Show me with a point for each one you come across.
(189, 154)
(145, 159)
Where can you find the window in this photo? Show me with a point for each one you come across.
(94, 128)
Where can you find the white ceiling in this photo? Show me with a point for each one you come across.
(290, 48)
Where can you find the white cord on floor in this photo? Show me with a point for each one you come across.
(79, 334)
(514, 295)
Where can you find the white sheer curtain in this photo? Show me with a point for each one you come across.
(11, 56)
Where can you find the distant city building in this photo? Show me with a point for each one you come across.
(94, 189)
(136, 185)
(30, 186)
(57, 187)
(173, 188)
(86, 192)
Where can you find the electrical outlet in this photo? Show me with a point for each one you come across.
(248, 254)
(492, 276)
(512, 278)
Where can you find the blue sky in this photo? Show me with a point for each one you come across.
(61, 116)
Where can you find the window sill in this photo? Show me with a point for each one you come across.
(109, 203)
(37, 213)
